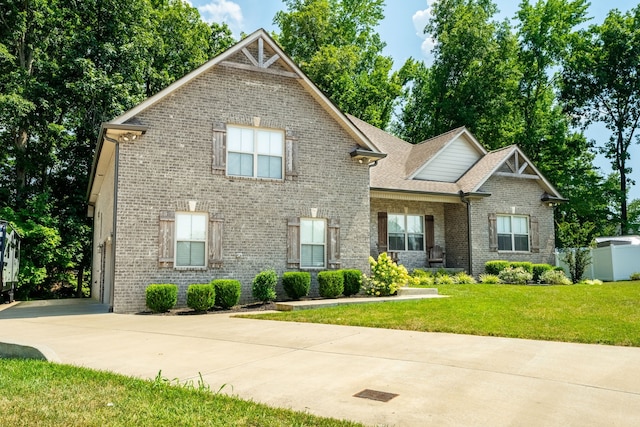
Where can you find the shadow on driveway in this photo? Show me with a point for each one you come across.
(52, 308)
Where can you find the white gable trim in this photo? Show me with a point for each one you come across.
(262, 37)
(473, 142)
(544, 183)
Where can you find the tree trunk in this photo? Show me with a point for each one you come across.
(79, 293)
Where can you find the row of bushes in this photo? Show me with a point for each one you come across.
(496, 272)
(224, 293)
(331, 284)
(536, 270)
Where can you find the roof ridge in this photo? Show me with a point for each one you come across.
(456, 130)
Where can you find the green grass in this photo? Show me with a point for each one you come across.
(47, 394)
(596, 314)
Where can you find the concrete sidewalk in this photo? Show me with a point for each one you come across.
(439, 379)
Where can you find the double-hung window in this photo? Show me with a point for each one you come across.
(313, 237)
(513, 233)
(191, 239)
(406, 232)
(255, 152)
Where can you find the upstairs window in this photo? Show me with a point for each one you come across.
(191, 240)
(513, 233)
(406, 232)
(255, 153)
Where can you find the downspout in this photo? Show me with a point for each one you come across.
(467, 202)
(115, 222)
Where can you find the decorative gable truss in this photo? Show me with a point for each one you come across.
(264, 62)
(518, 166)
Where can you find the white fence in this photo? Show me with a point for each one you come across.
(609, 263)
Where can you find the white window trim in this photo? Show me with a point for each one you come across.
(406, 234)
(324, 244)
(206, 242)
(255, 153)
(513, 234)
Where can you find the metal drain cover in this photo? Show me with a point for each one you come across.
(380, 396)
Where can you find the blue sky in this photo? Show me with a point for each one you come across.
(402, 31)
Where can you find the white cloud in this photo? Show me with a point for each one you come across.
(223, 11)
(420, 19)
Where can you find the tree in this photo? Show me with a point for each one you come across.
(601, 83)
(65, 67)
(473, 81)
(334, 42)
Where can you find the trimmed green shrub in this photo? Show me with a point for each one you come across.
(352, 281)
(555, 277)
(296, 284)
(495, 267)
(264, 286)
(201, 297)
(227, 292)
(539, 269)
(330, 284)
(526, 265)
(489, 279)
(516, 275)
(463, 278)
(161, 297)
(635, 276)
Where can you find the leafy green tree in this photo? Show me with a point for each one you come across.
(473, 81)
(65, 67)
(601, 83)
(335, 44)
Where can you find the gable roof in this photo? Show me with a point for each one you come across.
(427, 151)
(517, 165)
(395, 172)
(278, 63)
(262, 64)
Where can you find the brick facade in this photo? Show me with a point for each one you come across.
(410, 259)
(511, 196)
(172, 165)
(457, 235)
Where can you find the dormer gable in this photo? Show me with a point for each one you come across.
(453, 154)
(507, 162)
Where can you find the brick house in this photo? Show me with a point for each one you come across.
(449, 191)
(244, 165)
(240, 166)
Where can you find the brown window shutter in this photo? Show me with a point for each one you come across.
(534, 230)
(218, 165)
(429, 230)
(382, 232)
(291, 157)
(166, 238)
(493, 233)
(333, 244)
(215, 241)
(293, 243)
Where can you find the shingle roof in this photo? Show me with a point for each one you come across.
(403, 159)
(485, 167)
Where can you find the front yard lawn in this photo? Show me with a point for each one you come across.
(595, 314)
(36, 393)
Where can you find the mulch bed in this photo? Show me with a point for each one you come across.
(185, 311)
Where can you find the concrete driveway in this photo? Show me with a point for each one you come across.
(439, 379)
